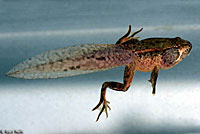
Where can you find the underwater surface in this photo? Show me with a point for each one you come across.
(62, 106)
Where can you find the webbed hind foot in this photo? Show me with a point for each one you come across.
(102, 106)
(126, 37)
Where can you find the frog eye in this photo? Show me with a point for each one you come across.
(178, 38)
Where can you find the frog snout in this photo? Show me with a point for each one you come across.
(190, 45)
(188, 48)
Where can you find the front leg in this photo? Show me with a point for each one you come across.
(154, 76)
(128, 77)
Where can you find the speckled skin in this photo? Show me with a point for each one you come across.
(71, 61)
(150, 54)
(147, 55)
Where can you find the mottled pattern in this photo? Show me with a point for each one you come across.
(42, 75)
(88, 58)
(146, 55)
(72, 61)
(146, 61)
(170, 56)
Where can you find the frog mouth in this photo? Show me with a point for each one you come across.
(190, 50)
(185, 51)
(183, 54)
(180, 56)
(190, 47)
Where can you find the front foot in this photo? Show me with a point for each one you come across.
(154, 89)
(102, 108)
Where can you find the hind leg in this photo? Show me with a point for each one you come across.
(126, 37)
(128, 77)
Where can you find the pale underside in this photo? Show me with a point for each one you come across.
(70, 61)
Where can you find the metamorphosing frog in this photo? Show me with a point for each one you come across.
(148, 55)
